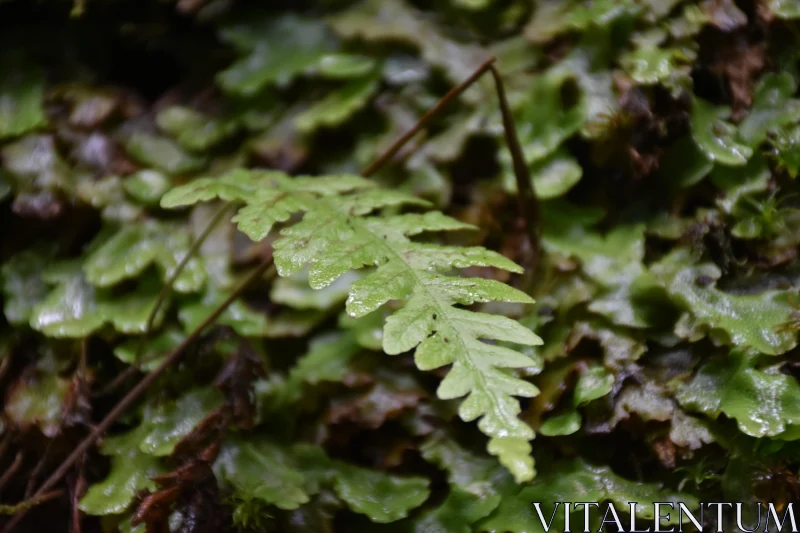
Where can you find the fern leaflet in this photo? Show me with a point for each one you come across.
(338, 233)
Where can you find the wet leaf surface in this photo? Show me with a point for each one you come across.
(575, 481)
(716, 137)
(338, 106)
(746, 320)
(763, 403)
(288, 477)
(131, 471)
(75, 309)
(132, 249)
(169, 422)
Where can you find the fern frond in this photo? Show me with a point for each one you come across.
(338, 233)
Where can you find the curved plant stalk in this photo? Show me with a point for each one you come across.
(528, 202)
(426, 118)
(9, 473)
(529, 206)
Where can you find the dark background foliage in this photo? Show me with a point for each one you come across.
(663, 142)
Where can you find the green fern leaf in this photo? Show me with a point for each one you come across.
(337, 234)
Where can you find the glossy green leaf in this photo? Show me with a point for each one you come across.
(135, 247)
(577, 481)
(263, 470)
(763, 403)
(744, 320)
(406, 271)
(717, 138)
(773, 107)
(474, 486)
(456, 514)
(562, 424)
(649, 65)
(600, 13)
(604, 258)
(167, 423)
(130, 472)
(736, 183)
(787, 148)
(382, 497)
(630, 296)
(478, 475)
(288, 477)
(338, 106)
(147, 186)
(75, 309)
(594, 383)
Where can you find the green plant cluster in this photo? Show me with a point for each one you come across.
(409, 364)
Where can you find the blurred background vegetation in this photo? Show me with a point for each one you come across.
(663, 142)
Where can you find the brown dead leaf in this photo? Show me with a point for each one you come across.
(738, 58)
(372, 409)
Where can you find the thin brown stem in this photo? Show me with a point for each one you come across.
(37, 470)
(19, 509)
(78, 490)
(426, 118)
(8, 474)
(136, 392)
(165, 293)
(5, 443)
(528, 202)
